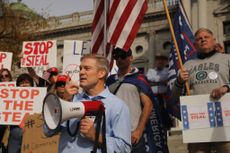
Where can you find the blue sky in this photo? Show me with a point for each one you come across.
(58, 7)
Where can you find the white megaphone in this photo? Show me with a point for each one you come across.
(55, 110)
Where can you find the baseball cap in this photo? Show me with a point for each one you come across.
(53, 70)
(63, 78)
(120, 53)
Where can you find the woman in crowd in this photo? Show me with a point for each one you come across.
(15, 137)
(5, 76)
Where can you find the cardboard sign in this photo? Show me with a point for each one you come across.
(39, 54)
(73, 50)
(5, 60)
(15, 102)
(34, 141)
(205, 120)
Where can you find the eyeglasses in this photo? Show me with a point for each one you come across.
(121, 55)
(60, 84)
(5, 76)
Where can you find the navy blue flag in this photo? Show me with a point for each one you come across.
(185, 39)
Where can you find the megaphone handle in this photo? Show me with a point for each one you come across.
(100, 115)
(75, 131)
(104, 146)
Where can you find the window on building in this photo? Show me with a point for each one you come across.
(139, 49)
(227, 47)
(227, 27)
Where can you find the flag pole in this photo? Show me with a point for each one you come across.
(175, 43)
(105, 27)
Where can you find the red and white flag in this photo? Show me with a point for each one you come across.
(123, 20)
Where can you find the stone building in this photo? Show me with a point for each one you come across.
(154, 34)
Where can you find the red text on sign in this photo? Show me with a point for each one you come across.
(21, 93)
(38, 47)
(2, 56)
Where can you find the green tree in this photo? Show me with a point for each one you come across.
(18, 23)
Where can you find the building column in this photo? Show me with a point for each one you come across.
(202, 13)
(152, 47)
(187, 7)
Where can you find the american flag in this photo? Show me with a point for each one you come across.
(185, 39)
(123, 19)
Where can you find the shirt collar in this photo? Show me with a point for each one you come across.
(101, 95)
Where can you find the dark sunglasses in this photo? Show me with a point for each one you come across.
(60, 84)
(121, 55)
(5, 76)
(53, 73)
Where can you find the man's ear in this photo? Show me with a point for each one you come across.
(131, 58)
(101, 73)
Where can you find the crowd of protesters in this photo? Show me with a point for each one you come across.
(132, 107)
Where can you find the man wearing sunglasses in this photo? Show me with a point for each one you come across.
(131, 86)
(60, 84)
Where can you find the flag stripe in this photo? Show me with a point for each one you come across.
(129, 25)
(98, 42)
(122, 21)
(136, 26)
(112, 11)
(99, 11)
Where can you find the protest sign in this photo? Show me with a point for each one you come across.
(204, 119)
(73, 50)
(8, 84)
(39, 54)
(34, 140)
(16, 102)
(5, 60)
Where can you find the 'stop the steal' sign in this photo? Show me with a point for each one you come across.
(16, 102)
(209, 119)
(38, 53)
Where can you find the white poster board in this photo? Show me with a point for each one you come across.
(16, 102)
(5, 60)
(8, 84)
(205, 120)
(39, 54)
(73, 50)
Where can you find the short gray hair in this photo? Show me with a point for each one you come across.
(102, 62)
(203, 29)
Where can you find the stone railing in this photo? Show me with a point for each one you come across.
(86, 17)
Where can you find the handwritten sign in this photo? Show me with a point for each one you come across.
(205, 120)
(73, 50)
(5, 60)
(15, 102)
(34, 141)
(39, 53)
